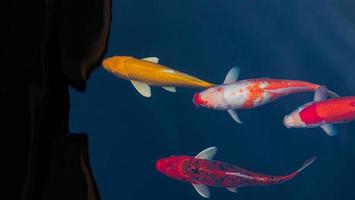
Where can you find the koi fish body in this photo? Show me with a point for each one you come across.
(146, 72)
(202, 172)
(322, 112)
(250, 93)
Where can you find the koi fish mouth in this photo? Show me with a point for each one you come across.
(107, 62)
(168, 166)
(197, 100)
(159, 165)
(287, 121)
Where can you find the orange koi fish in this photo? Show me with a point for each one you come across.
(147, 71)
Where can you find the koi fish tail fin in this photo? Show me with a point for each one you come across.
(273, 180)
(306, 164)
(288, 177)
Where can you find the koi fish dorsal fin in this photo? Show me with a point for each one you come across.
(321, 94)
(232, 189)
(232, 75)
(207, 154)
(203, 190)
(329, 129)
(151, 59)
(170, 89)
(142, 88)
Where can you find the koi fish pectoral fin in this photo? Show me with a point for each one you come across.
(329, 129)
(232, 189)
(151, 59)
(333, 94)
(232, 75)
(207, 154)
(170, 89)
(142, 88)
(203, 190)
(235, 116)
(321, 94)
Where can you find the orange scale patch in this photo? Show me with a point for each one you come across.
(255, 94)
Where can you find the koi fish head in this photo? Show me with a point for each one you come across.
(171, 167)
(210, 98)
(294, 120)
(115, 64)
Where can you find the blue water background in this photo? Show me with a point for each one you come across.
(311, 40)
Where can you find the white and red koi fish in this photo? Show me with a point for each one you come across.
(322, 112)
(249, 93)
(202, 171)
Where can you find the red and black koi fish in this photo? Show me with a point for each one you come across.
(202, 172)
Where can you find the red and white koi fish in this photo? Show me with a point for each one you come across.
(202, 171)
(249, 93)
(322, 112)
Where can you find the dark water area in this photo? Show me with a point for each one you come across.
(311, 40)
